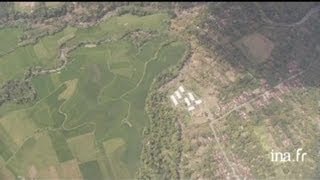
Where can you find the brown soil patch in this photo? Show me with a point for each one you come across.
(49, 173)
(231, 76)
(71, 88)
(70, 170)
(32, 172)
(256, 47)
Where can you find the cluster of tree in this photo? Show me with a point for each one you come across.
(161, 153)
(246, 145)
(245, 83)
(5, 11)
(286, 12)
(232, 21)
(162, 147)
(18, 91)
(43, 12)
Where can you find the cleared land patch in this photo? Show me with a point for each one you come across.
(256, 47)
(69, 170)
(71, 88)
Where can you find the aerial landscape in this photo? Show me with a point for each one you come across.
(159, 90)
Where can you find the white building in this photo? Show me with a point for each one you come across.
(190, 108)
(175, 102)
(178, 94)
(187, 101)
(191, 97)
(198, 101)
(181, 89)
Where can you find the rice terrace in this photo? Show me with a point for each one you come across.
(91, 85)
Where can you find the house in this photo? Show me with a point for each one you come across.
(181, 89)
(198, 101)
(175, 102)
(178, 94)
(191, 97)
(190, 108)
(187, 101)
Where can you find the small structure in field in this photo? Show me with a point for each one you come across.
(181, 89)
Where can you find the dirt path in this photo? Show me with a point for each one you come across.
(211, 118)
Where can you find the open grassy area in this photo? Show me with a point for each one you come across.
(60, 146)
(91, 170)
(114, 150)
(83, 147)
(9, 39)
(37, 152)
(44, 53)
(92, 112)
(18, 125)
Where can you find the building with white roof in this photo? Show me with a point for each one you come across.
(190, 108)
(191, 97)
(198, 101)
(173, 99)
(188, 97)
(187, 101)
(178, 94)
(181, 89)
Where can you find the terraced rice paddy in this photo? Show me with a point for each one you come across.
(90, 113)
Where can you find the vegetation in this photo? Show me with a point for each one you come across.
(91, 170)
(107, 101)
(17, 91)
(161, 153)
(82, 90)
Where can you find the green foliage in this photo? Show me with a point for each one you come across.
(5, 152)
(9, 39)
(113, 80)
(60, 146)
(245, 83)
(162, 147)
(245, 144)
(17, 91)
(91, 170)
